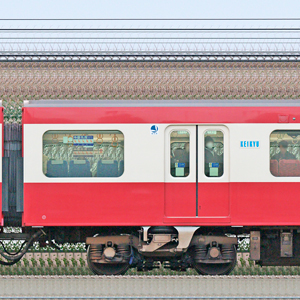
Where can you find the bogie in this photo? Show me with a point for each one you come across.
(209, 255)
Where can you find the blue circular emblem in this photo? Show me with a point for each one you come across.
(154, 129)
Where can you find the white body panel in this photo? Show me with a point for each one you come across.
(253, 164)
(147, 159)
(143, 153)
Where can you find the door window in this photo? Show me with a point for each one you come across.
(180, 153)
(214, 153)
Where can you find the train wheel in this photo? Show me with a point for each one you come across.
(106, 269)
(215, 268)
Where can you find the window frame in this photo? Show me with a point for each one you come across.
(176, 130)
(270, 153)
(213, 129)
(84, 132)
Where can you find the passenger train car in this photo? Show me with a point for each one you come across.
(176, 182)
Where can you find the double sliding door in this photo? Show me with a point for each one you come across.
(197, 173)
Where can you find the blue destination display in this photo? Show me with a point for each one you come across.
(181, 165)
(215, 165)
(82, 137)
(82, 140)
(249, 144)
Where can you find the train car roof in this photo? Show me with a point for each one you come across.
(161, 103)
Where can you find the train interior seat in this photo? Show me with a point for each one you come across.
(79, 168)
(121, 167)
(107, 168)
(57, 168)
(289, 167)
(274, 167)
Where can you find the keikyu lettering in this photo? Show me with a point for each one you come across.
(249, 144)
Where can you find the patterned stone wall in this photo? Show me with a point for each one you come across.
(145, 80)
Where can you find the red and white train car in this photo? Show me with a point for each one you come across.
(169, 181)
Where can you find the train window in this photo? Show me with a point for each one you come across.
(70, 153)
(214, 158)
(180, 153)
(285, 153)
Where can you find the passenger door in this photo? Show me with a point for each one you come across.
(213, 173)
(180, 171)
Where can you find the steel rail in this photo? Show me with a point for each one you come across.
(149, 38)
(149, 29)
(162, 19)
(149, 297)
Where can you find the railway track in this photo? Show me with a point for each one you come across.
(154, 297)
(150, 287)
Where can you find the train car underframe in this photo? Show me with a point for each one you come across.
(209, 250)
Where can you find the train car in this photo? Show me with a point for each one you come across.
(169, 181)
